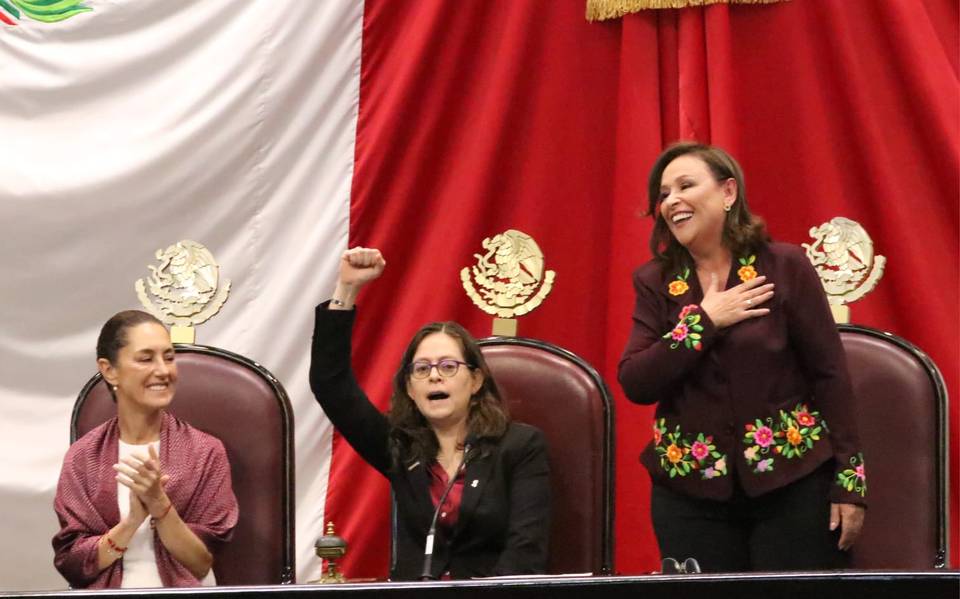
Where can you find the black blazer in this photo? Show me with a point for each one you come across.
(503, 524)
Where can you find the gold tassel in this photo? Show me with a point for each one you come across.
(600, 10)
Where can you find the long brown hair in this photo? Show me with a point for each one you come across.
(743, 232)
(412, 437)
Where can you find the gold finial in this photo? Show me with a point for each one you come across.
(185, 287)
(508, 280)
(844, 258)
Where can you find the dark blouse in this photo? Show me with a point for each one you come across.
(451, 505)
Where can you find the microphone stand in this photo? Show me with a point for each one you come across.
(426, 574)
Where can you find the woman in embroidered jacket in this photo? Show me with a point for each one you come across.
(144, 499)
(734, 342)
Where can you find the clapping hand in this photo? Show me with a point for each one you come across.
(145, 479)
(138, 512)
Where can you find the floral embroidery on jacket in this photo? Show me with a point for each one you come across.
(790, 436)
(854, 479)
(679, 286)
(682, 454)
(688, 330)
(746, 271)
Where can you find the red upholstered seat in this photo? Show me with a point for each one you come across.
(559, 393)
(244, 406)
(902, 410)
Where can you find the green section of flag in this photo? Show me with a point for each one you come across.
(59, 16)
(50, 11)
(9, 8)
(47, 5)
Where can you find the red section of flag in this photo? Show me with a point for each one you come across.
(476, 118)
(5, 18)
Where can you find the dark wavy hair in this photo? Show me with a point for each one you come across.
(113, 335)
(743, 232)
(412, 437)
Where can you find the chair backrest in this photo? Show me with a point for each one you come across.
(559, 393)
(902, 409)
(244, 406)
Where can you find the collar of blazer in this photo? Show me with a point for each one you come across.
(475, 481)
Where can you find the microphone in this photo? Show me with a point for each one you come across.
(426, 574)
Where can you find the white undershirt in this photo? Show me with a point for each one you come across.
(140, 560)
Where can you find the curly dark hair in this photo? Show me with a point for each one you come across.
(743, 232)
(412, 437)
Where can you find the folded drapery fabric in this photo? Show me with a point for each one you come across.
(599, 10)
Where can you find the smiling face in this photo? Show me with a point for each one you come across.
(443, 401)
(143, 371)
(692, 202)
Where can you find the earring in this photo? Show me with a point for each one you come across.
(114, 387)
(728, 208)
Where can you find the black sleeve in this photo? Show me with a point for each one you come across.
(336, 389)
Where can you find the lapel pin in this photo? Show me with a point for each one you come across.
(474, 483)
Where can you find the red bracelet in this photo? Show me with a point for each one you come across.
(153, 521)
(116, 548)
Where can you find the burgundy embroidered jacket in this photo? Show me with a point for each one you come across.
(86, 501)
(766, 400)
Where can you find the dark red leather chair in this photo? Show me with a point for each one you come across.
(559, 393)
(243, 405)
(902, 410)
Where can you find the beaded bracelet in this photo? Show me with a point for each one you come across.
(113, 547)
(165, 512)
(153, 521)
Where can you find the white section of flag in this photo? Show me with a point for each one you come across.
(131, 127)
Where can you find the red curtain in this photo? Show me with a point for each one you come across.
(476, 117)
(833, 108)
